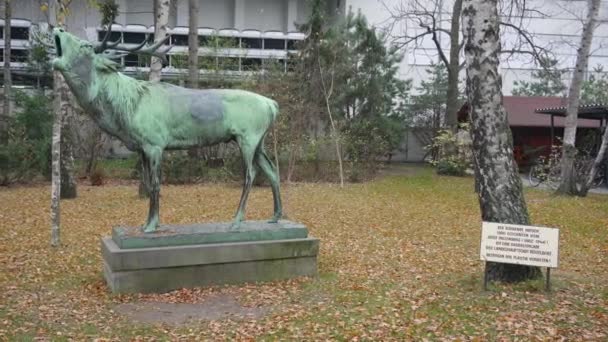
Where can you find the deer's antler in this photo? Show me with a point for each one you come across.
(104, 45)
(143, 49)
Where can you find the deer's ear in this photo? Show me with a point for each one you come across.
(106, 65)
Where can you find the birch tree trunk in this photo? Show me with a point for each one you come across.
(161, 20)
(160, 32)
(451, 104)
(500, 189)
(68, 180)
(193, 73)
(56, 165)
(62, 156)
(8, 84)
(597, 162)
(568, 184)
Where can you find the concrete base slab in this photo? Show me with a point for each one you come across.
(162, 269)
(203, 233)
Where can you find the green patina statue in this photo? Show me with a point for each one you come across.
(152, 117)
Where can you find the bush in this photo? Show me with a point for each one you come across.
(451, 166)
(28, 151)
(454, 152)
(367, 140)
(178, 167)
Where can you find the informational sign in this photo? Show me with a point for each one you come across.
(519, 244)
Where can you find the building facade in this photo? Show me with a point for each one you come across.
(554, 25)
(252, 32)
(236, 35)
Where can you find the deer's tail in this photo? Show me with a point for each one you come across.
(274, 109)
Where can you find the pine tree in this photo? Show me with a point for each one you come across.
(546, 81)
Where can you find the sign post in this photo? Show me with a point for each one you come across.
(521, 245)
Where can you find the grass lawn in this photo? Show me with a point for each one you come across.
(398, 260)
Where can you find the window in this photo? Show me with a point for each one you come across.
(19, 55)
(179, 39)
(179, 61)
(251, 43)
(228, 63)
(2, 32)
(203, 41)
(292, 44)
(274, 64)
(133, 37)
(114, 36)
(22, 33)
(131, 60)
(274, 44)
(251, 64)
(135, 60)
(207, 63)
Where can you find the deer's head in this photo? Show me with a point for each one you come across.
(80, 57)
(71, 50)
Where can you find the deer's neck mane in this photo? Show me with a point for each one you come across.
(118, 91)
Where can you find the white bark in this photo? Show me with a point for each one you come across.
(7, 74)
(327, 93)
(56, 165)
(500, 189)
(61, 107)
(193, 72)
(160, 32)
(68, 181)
(568, 181)
(598, 160)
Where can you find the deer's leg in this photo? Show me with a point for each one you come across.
(145, 169)
(153, 158)
(248, 148)
(268, 168)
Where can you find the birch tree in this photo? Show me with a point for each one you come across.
(8, 84)
(500, 189)
(62, 180)
(427, 16)
(568, 182)
(160, 32)
(161, 20)
(193, 73)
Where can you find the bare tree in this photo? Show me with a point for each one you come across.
(431, 22)
(327, 87)
(598, 161)
(193, 72)
(500, 193)
(8, 84)
(568, 182)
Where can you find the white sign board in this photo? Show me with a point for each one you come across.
(519, 244)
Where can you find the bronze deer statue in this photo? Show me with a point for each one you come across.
(150, 118)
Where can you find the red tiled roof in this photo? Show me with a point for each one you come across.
(521, 112)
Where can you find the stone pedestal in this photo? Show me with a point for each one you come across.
(175, 257)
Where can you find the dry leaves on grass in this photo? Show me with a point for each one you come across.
(398, 260)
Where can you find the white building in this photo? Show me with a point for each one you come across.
(553, 24)
(266, 29)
